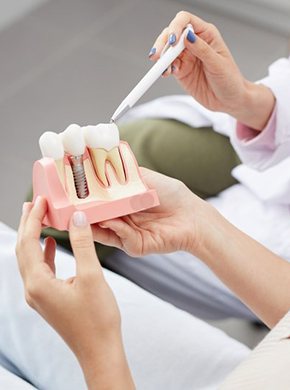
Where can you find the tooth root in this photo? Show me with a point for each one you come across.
(116, 161)
(99, 157)
(60, 169)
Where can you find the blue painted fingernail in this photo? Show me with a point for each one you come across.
(191, 37)
(165, 71)
(173, 68)
(172, 39)
(152, 51)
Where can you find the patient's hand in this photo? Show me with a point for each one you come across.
(82, 309)
(208, 72)
(176, 224)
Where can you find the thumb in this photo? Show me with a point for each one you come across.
(200, 49)
(81, 239)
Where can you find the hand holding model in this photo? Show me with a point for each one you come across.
(82, 309)
(208, 72)
(185, 222)
(176, 224)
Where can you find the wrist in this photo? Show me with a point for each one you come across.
(208, 231)
(202, 218)
(105, 365)
(254, 106)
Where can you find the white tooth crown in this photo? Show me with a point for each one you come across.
(51, 145)
(103, 136)
(73, 140)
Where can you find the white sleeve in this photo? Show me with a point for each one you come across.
(256, 152)
(278, 81)
(267, 367)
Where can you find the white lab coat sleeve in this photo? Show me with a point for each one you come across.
(256, 152)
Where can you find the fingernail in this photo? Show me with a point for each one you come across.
(172, 39)
(173, 68)
(24, 207)
(191, 37)
(37, 201)
(152, 51)
(80, 219)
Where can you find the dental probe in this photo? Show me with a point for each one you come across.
(168, 55)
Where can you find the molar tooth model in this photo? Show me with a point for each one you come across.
(103, 143)
(91, 170)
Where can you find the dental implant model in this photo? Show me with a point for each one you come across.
(89, 169)
(74, 145)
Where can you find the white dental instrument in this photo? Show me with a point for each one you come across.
(168, 55)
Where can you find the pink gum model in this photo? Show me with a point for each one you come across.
(47, 183)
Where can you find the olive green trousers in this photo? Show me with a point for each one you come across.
(200, 157)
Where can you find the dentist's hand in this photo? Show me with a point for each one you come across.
(208, 72)
(82, 309)
(177, 224)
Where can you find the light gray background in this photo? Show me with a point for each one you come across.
(65, 61)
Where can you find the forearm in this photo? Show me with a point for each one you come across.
(257, 276)
(107, 368)
(255, 106)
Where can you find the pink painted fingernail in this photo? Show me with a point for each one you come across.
(80, 219)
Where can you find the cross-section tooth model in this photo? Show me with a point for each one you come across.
(103, 143)
(89, 169)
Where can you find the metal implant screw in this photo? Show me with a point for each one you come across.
(79, 176)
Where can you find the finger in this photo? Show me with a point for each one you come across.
(175, 67)
(49, 253)
(81, 239)
(200, 49)
(167, 72)
(34, 221)
(121, 228)
(26, 208)
(177, 25)
(106, 236)
(28, 250)
(159, 45)
(180, 22)
(19, 246)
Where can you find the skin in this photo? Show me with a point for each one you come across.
(182, 221)
(185, 222)
(207, 71)
(94, 334)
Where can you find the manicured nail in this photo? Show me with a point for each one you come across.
(164, 71)
(191, 37)
(80, 219)
(172, 39)
(152, 52)
(173, 68)
(25, 207)
(37, 201)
